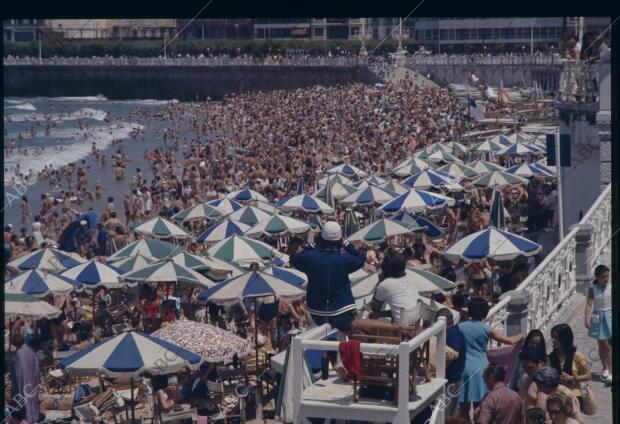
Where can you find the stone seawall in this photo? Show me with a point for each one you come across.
(184, 83)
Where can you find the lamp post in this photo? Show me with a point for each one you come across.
(363, 54)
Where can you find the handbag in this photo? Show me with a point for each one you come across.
(586, 400)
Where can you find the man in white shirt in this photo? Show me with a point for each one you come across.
(397, 289)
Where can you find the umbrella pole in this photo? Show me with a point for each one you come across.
(256, 333)
(133, 406)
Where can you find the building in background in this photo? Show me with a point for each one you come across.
(21, 29)
(216, 28)
(130, 29)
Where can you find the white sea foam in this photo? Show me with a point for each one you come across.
(84, 113)
(149, 102)
(71, 153)
(13, 102)
(22, 106)
(97, 98)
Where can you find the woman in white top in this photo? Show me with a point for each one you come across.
(37, 230)
(598, 317)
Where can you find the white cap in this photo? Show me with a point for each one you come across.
(83, 222)
(331, 231)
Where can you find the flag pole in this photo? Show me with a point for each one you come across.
(559, 173)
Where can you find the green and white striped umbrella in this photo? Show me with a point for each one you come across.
(244, 251)
(277, 226)
(411, 166)
(395, 186)
(441, 156)
(339, 191)
(132, 263)
(430, 149)
(375, 181)
(200, 211)
(167, 271)
(339, 178)
(425, 282)
(379, 231)
(199, 263)
(456, 148)
(161, 228)
(459, 170)
(146, 247)
(250, 215)
(17, 304)
(266, 206)
(484, 167)
(499, 179)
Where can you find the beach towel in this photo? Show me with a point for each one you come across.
(351, 358)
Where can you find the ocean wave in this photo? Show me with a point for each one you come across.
(97, 98)
(84, 113)
(71, 153)
(149, 102)
(22, 106)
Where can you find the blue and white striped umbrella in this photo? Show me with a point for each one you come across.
(226, 206)
(246, 195)
(374, 181)
(486, 146)
(503, 140)
(301, 186)
(492, 243)
(95, 274)
(498, 213)
(290, 275)
(547, 169)
(200, 211)
(39, 283)
(416, 201)
(369, 196)
(252, 284)
(430, 179)
(306, 203)
(520, 149)
(431, 230)
(528, 170)
(47, 259)
(130, 355)
(222, 230)
(347, 170)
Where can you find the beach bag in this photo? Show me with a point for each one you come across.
(586, 400)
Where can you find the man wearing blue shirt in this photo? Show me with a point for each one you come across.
(329, 297)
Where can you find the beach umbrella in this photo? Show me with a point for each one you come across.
(249, 215)
(300, 186)
(329, 195)
(424, 282)
(246, 195)
(498, 179)
(40, 283)
(430, 149)
(226, 206)
(306, 203)
(374, 181)
(17, 304)
(265, 206)
(551, 170)
(429, 179)
(47, 259)
(502, 139)
(200, 211)
(251, 285)
(459, 170)
(519, 149)
(278, 226)
(411, 166)
(347, 170)
(491, 243)
(132, 263)
(486, 146)
(394, 186)
(351, 224)
(428, 227)
(94, 274)
(359, 185)
(528, 170)
(130, 355)
(244, 251)
(159, 227)
(221, 230)
(456, 148)
(441, 156)
(166, 270)
(290, 275)
(484, 167)
(379, 231)
(498, 213)
(338, 190)
(146, 247)
(335, 178)
(416, 201)
(200, 263)
(212, 343)
(369, 196)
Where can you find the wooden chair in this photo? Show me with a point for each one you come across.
(381, 370)
(56, 380)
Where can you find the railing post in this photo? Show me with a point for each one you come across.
(403, 384)
(297, 380)
(516, 319)
(583, 252)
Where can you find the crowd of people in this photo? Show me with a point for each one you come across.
(268, 141)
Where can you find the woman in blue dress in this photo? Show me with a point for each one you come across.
(476, 334)
(598, 317)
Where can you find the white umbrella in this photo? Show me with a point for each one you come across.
(18, 304)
